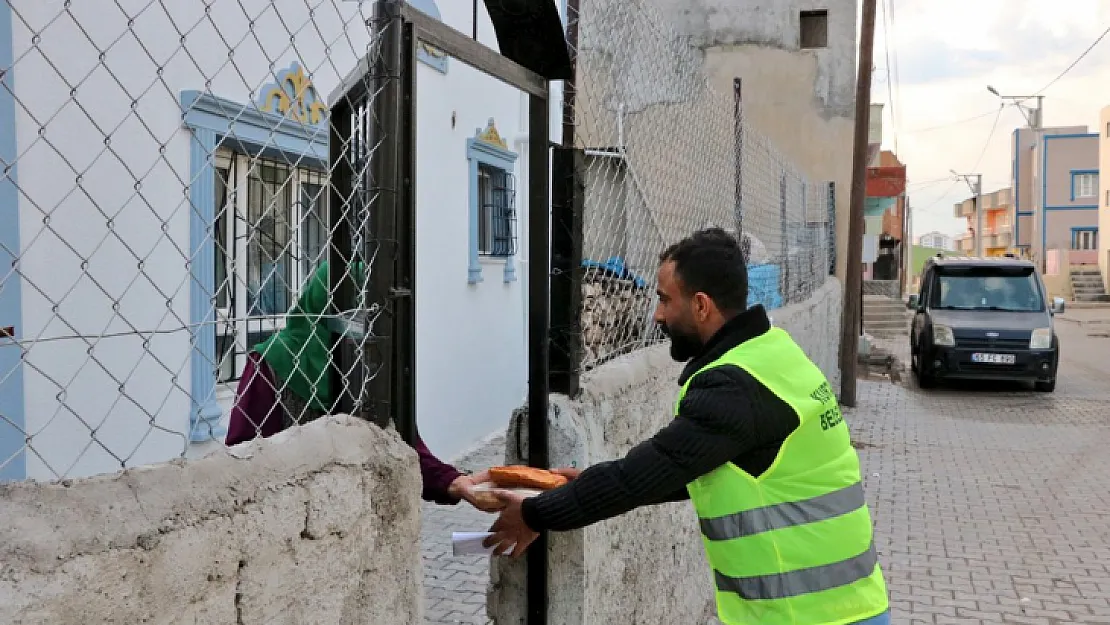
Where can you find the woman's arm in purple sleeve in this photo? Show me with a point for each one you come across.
(436, 476)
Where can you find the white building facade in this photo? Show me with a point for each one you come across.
(167, 167)
(937, 240)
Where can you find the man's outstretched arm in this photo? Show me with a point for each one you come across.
(714, 426)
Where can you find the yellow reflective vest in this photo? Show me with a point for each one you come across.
(794, 545)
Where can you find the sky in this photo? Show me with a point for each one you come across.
(943, 54)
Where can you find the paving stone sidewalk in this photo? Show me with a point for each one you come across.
(455, 587)
(991, 501)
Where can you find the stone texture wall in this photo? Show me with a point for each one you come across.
(319, 524)
(647, 566)
(889, 288)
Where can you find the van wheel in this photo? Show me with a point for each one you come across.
(924, 379)
(1046, 386)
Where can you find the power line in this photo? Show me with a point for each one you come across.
(950, 124)
(897, 73)
(1037, 93)
(889, 75)
(1074, 63)
(986, 144)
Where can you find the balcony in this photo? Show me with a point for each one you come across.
(965, 244)
(1001, 239)
(1002, 198)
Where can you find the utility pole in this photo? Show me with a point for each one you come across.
(903, 274)
(1034, 116)
(977, 191)
(853, 267)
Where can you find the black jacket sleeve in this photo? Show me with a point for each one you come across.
(716, 423)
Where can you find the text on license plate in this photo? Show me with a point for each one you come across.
(993, 359)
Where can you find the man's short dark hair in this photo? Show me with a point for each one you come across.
(711, 261)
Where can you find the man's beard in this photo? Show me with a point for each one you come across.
(684, 345)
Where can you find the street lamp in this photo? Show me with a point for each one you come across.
(1034, 116)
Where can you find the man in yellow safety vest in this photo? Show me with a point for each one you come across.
(758, 445)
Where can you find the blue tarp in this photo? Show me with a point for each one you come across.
(763, 286)
(763, 280)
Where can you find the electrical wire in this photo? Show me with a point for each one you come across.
(1074, 63)
(950, 124)
(889, 74)
(1035, 94)
(978, 161)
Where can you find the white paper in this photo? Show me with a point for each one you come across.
(470, 544)
(487, 486)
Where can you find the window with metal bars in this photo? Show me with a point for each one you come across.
(496, 212)
(270, 236)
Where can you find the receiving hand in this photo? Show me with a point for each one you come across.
(463, 488)
(510, 532)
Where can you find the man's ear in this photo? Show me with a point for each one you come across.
(702, 306)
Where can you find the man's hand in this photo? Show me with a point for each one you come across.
(510, 531)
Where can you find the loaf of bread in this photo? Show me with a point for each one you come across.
(525, 477)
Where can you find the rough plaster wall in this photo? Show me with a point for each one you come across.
(319, 524)
(803, 101)
(646, 566)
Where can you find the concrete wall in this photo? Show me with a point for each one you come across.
(647, 566)
(320, 524)
(803, 101)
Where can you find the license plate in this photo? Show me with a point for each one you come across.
(993, 359)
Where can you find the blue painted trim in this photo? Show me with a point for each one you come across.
(1082, 172)
(1017, 185)
(1075, 234)
(205, 413)
(438, 63)
(1082, 135)
(480, 152)
(1044, 202)
(214, 122)
(423, 51)
(1076, 207)
(1026, 213)
(250, 131)
(13, 423)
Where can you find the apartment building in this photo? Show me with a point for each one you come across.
(997, 236)
(936, 240)
(1103, 242)
(1055, 189)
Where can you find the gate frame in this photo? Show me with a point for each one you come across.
(387, 77)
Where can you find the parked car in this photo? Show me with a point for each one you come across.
(983, 318)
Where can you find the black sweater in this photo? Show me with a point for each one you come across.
(725, 416)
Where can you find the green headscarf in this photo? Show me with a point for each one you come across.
(300, 352)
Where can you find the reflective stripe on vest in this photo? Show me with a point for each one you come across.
(804, 581)
(787, 514)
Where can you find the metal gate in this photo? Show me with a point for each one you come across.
(373, 162)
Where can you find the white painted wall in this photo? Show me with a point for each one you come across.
(470, 339)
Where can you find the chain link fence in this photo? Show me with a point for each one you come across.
(178, 225)
(664, 154)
